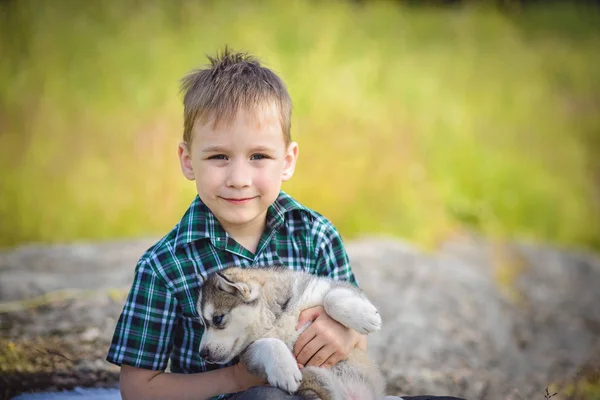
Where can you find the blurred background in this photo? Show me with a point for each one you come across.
(414, 119)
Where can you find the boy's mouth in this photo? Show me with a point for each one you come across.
(240, 200)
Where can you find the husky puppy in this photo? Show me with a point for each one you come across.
(253, 313)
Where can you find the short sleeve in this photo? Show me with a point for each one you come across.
(143, 336)
(331, 257)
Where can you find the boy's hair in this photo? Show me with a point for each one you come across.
(231, 82)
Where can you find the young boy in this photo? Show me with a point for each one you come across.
(238, 149)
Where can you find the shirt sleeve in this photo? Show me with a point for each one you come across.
(142, 336)
(331, 257)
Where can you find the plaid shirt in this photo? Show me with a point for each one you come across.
(160, 321)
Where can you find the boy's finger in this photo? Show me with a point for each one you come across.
(303, 340)
(321, 356)
(331, 361)
(309, 315)
(309, 351)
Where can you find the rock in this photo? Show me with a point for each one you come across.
(34, 270)
(450, 328)
(91, 334)
(475, 319)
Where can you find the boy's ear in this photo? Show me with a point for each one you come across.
(248, 291)
(185, 159)
(289, 161)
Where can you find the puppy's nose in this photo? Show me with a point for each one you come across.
(205, 353)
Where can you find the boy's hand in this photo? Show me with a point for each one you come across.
(244, 378)
(325, 342)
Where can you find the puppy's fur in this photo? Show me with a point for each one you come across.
(253, 313)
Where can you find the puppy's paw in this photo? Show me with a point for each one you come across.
(284, 374)
(368, 320)
(353, 311)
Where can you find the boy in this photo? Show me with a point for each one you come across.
(237, 148)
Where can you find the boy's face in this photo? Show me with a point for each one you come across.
(239, 167)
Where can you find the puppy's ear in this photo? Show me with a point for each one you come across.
(247, 291)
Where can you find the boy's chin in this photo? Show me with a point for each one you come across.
(238, 219)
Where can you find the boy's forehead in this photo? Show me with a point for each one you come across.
(258, 117)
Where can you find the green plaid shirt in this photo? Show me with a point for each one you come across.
(160, 321)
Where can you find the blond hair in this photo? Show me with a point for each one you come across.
(232, 81)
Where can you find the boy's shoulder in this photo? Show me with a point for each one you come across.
(290, 211)
(193, 225)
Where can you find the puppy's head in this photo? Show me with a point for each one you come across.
(228, 305)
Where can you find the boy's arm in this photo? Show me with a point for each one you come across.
(144, 384)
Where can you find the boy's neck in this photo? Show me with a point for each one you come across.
(248, 235)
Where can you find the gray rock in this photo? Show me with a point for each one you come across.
(474, 319)
(450, 328)
(34, 270)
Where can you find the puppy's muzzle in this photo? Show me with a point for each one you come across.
(205, 354)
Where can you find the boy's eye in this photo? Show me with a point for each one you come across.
(258, 156)
(217, 319)
(218, 157)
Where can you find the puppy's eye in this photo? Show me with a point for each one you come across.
(217, 319)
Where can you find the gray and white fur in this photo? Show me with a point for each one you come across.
(253, 313)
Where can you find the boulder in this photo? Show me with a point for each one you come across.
(473, 319)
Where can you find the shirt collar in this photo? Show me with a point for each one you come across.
(199, 222)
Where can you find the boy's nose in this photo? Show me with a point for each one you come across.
(239, 176)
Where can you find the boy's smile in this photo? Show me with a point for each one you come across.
(239, 168)
(240, 201)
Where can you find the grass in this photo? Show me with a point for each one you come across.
(412, 121)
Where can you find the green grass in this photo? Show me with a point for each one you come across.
(413, 122)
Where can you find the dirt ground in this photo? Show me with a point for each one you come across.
(58, 310)
(52, 364)
(35, 358)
